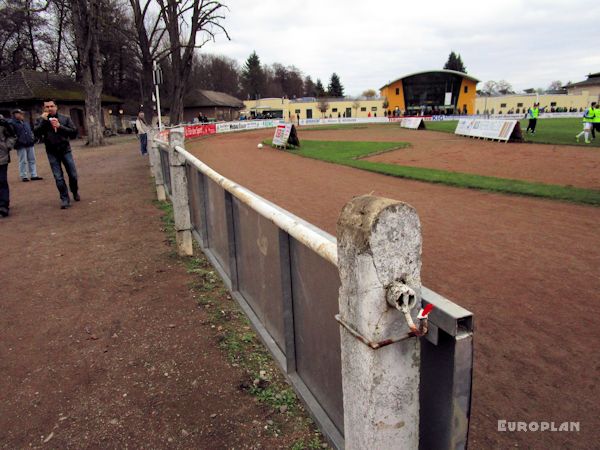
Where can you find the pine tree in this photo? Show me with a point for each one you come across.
(335, 88)
(455, 63)
(319, 89)
(310, 89)
(253, 77)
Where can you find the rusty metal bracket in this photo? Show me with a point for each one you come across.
(373, 345)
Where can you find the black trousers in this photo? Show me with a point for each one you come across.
(531, 125)
(4, 191)
(595, 127)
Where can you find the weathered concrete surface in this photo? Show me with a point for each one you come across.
(179, 194)
(156, 166)
(379, 242)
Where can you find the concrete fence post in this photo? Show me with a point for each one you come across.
(179, 194)
(156, 166)
(379, 259)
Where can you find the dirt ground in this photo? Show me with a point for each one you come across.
(552, 164)
(527, 268)
(102, 343)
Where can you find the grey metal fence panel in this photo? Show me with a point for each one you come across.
(259, 271)
(315, 285)
(216, 218)
(290, 294)
(166, 169)
(445, 391)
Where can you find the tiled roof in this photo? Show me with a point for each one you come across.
(203, 98)
(593, 79)
(32, 85)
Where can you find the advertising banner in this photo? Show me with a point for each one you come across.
(343, 120)
(503, 130)
(163, 135)
(192, 131)
(414, 123)
(282, 134)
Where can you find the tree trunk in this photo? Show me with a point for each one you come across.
(148, 88)
(93, 108)
(146, 80)
(86, 24)
(176, 114)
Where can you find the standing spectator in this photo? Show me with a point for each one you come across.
(24, 146)
(595, 120)
(142, 131)
(56, 130)
(7, 141)
(588, 125)
(533, 114)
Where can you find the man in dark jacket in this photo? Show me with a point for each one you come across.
(56, 130)
(24, 146)
(7, 141)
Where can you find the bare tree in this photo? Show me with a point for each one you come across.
(504, 87)
(216, 73)
(323, 106)
(23, 29)
(555, 86)
(61, 13)
(150, 31)
(490, 88)
(86, 15)
(369, 93)
(355, 106)
(201, 19)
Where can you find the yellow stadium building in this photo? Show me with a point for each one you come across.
(431, 92)
(312, 108)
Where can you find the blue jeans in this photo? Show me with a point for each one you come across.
(27, 161)
(4, 192)
(67, 160)
(143, 143)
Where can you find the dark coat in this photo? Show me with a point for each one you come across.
(7, 141)
(24, 134)
(57, 142)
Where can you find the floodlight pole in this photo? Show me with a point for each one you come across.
(156, 83)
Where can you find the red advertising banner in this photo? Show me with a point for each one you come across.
(192, 131)
(163, 135)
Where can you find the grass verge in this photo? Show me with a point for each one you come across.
(352, 154)
(232, 332)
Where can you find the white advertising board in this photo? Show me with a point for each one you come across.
(282, 134)
(448, 99)
(343, 120)
(413, 123)
(227, 127)
(488, 129)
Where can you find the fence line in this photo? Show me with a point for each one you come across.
(284, 273)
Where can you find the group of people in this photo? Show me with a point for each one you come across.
(591, 123)
(55, 130)
(201, 118)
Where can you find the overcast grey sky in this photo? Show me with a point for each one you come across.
(369, 43)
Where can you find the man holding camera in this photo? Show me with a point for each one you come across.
(56, 130)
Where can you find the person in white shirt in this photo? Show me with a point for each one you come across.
(142, 131)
